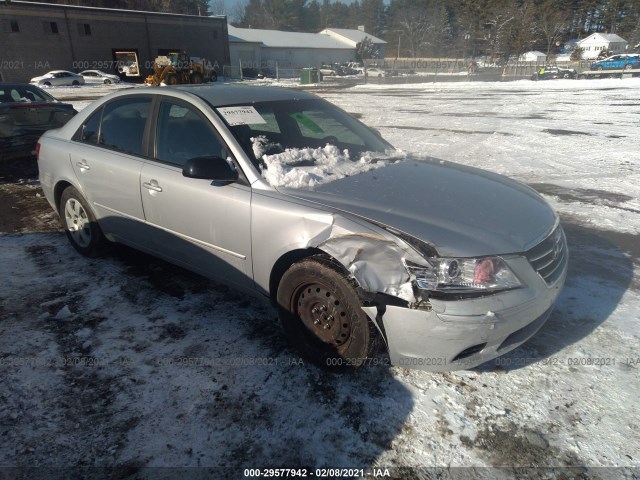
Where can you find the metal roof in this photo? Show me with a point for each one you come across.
(279, 39)
(353, 35)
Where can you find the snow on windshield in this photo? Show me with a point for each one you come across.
(309, 167)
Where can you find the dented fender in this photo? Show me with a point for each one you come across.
(371, 254)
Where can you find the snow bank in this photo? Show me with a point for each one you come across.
(308, 167)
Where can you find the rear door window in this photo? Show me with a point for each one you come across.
(123, 124)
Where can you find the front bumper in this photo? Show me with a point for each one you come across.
(460, 334)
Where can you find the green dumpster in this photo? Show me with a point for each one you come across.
(309, 75)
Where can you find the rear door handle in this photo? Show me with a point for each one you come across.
(152, 185)
(83, 165)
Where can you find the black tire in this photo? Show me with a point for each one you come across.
(171, 79)
(107, 81)
(75, 83)
(196, 78)
(628, 66)
(80, 224)
(47, 84)
(320, 313)
(214, 77)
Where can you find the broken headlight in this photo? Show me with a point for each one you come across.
(462, 275)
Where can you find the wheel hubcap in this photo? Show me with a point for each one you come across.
(323, 314)
(77, 222)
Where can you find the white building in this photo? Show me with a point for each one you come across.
(533, 56)
(261, 49)
(598, 42)
(354, 37)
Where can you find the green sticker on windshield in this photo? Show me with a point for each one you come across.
(306, 122)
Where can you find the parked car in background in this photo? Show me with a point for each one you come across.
(98, 76)
(376, 72)
(26, 112)
(618, 62)
(279, 192)
(554, 72)
(327, 70)
(57, 78)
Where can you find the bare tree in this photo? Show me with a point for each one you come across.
(551, 22)
(217, 7)
(523, 29)
(416, 28)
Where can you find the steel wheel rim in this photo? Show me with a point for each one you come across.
(323, 314)
(77, 222)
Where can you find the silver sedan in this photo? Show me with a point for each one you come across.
(98, 76)
(57, 78)
(278, 192)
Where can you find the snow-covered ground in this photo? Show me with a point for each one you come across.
(127, 361)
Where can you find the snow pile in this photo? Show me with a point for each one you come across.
(309, 167)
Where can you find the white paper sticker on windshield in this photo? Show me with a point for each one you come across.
(241, 115)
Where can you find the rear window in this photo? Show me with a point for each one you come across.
(23, 94)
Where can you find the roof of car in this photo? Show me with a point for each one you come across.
(10, 85)
(218, 95)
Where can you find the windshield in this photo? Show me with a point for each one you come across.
(299, 124)
(302, 143)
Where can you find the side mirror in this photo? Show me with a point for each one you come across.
(216, 169)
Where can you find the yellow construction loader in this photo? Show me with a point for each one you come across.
(179, 68)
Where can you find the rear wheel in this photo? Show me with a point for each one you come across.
(321, 316)
(79, 224)
(75, 83)
(599, 68)
(628, 66)
(107, 81)
(196, 78)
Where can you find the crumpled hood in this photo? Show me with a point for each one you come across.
(461, 211)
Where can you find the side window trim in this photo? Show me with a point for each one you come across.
(78, 136)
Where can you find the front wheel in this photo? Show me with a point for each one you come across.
(171, 79)
(75, 83)
(79, 224)
(321, 316)
(628, 66)
(107, 81)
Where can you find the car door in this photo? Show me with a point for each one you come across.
(91, 77)
(199, 224)
(616, 62)
(107, 155)
(63, 79)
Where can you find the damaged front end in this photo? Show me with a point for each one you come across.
(444, 313)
